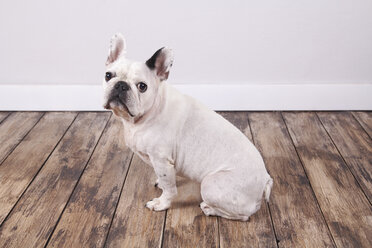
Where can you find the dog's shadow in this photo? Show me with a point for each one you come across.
(188, 194)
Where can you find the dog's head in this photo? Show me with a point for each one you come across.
(132, 87)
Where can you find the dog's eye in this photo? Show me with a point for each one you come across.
(108, 76)
(142, 87)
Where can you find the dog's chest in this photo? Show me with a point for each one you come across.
(135, 141)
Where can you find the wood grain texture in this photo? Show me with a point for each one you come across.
(258, 231)
(345, 207)
(86, 219)
(50, 175)
(134, 225)
(33, 218)
(14, 128)
(3, 116)
(297, 219)
(365, 120)
(354, 145)
(18, 170)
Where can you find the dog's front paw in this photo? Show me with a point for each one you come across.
(157, 204)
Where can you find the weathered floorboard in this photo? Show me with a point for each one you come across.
(365, 120)
(3, 115)
(86, 219)
(134, 225)
(354, 145)
(18, 170)
(34, 217)
(61, 188)
(258, 231)
(297, 219)
(14, 128)
(345, 207)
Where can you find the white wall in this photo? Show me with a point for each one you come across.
(215, 42)
(302, 41)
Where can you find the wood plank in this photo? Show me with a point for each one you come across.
(297, 219)
(87, 217)
(345, 207)
(240, 120)
(14, 128)
(354, 145)
(365, 120)
(258, 231)
(33, 219)
(3, 115)
(134, 225)
(18, 170)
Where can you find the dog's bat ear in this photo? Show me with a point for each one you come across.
(117, 48)
(161, 62)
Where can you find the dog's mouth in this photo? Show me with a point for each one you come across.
(117, 101)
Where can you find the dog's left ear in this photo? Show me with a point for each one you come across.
(161, 62)
(117, 48)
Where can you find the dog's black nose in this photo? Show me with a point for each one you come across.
(122, 86)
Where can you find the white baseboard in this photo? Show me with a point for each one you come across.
(217, 97)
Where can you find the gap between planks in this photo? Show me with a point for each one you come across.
(3, 116)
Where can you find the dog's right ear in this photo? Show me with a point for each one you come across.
(117, 48)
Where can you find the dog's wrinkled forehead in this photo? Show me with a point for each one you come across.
(130, 71)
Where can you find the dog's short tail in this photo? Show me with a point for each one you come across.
(268, 186)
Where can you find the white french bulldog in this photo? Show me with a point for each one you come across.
(176, 134)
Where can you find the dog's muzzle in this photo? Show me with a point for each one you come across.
(118, 94)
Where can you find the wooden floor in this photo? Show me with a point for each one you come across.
(67, 180)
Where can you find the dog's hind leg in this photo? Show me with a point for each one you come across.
(225, 195)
